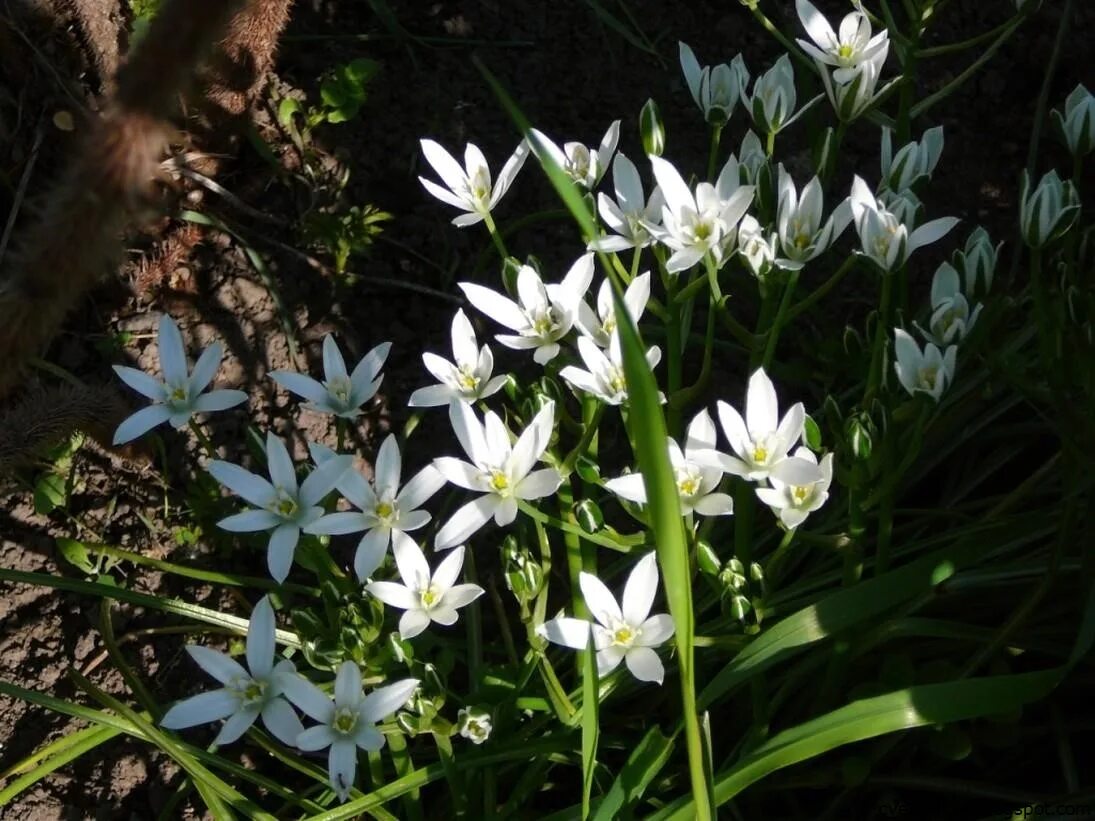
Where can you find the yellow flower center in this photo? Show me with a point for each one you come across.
(926, 377)
(609, 324)
(703, 230)
(499, 482)
(178, 395)
(467, 379)
(479, 186)
(340, 388)
(384, 510)
(760, 454)
(285, 506)
(800, 493)
(802, 241)
(248, 690)
(430, 596)
(688, 485)
(623, 635)
(345, 720)
(616, 382)
(543, 324)
(844, 52)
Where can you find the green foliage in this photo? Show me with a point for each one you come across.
(346, 234)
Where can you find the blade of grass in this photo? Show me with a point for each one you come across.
(590, 718)
(646, 425)
(74, 746)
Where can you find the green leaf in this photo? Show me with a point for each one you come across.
(77, 554)
(643, 765)
(287, 109)
(50, 493)
(590, 721)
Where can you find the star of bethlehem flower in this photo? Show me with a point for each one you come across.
(425, 596)
(846, 49)
(761, 440)
(913, 162)
(340, 393)
(348, 721)
(1049, 211)
(584, 165)
(716, 89)
(542, 315)
(604, 377)
(927, 371)
(180, 394)
(883, 237)
(469, 188)
(758, 250)
(630, 213)
(853, 97)
(246, 694)
(793, 503)
(695, 224)
(467, 377)
(951, 317)
(802, 235)
(601, 326)
(383, 508)
(474, 724)
(977, 262)
(628, 633)
(502, 472)
(751, 157)
(697, 482)
(281, 506)
(1077, 123)
(772, 104)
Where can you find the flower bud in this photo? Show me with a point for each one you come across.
(1049, 211)
(773, 100)
(977, 262)
(1077, 123)
(474, 724)
(652, 129)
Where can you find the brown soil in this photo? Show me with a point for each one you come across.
(572, 76)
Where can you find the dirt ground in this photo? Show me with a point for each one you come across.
(572, 75)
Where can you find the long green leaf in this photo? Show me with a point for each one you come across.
(590, 721)
(642, 766)
(176, 607)
(77, 744)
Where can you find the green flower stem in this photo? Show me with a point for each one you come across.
(908, 88)
(739, 332)
(496, 237)
(780, 319)
(474, 626)
(942, 94)
(589, 431)
(885, 524)
(674, 353)
(623, 544)
(770, 144)
(713, 152)
(786, 42)
(636, 259)
(340, 434)
(1042, 320)
(575, 557)
(819, 293)
(882, 332)
(778, 557)
(203, 440)
(694, 392)
(744, 508)
(1064, 27)
(952, 48)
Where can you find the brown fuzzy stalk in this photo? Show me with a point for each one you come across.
(76, 236)
(45, 417)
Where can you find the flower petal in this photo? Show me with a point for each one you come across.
(599, 599)
(200, 709)
(411, 562)
(260, 639)
(644, 664)
(282, 473)
(761, 405)
(315, 738)
(218, 401)
(281, 721)
(280, 549)
(141, 423)
(609, 659)
(238, 723)
(308, 698)
(461, 595)
(393, 594)
(383, 701)
(499, 308)
(370, 552)
(148, 386)
(465, 522)
(419, 488)
(324, 478)
(250, 521)
(449, 570)
(642, 585)
(342, 766)
(656, 630)
(413, 623)
(538, 484)
(630, 487)
(171, 351)
(301, 385)
(569, 632)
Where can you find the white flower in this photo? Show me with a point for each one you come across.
(467, 377)
(629, 214)
(604, 378)
(773, 102)
(626, 634)
(474, 724)
(601, 326)
(282, 506)
(179, 396)
(543, 314)
(425, 596)
(584, 165)
(758, 251)
(1077, 124)
(695, 224)
(697, 482)
(853, 97)
(716, 89)
(245, 695)
(884, 238)
(977, 261)
(469, 188)
(1047, 213)
(912, 162)
(923, 371)
(751, 156)
(501, 471)
(793, 503)
(846, 50)
(340, 393)
(384, 508)
(348, 721)
(951, 318)
(801, 233)
(761, 440)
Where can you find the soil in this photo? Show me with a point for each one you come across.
(572, 75)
